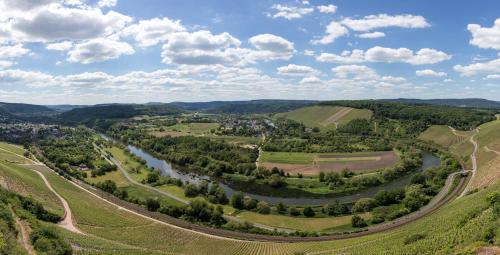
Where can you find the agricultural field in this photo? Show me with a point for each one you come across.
(184, 129)
(313, 163)
(326, 116)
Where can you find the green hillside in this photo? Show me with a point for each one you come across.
(326, 116)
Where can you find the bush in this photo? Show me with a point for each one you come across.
(281, 208)
(152, 204)
(414, 197)
(294, 211)
(364, 205)
(413, 238)
(249, 203)
(191, 190)
(308, 212)
(153, 177)
(45, 240)
(263, 207)
(335, 209)
(358, 222)
(237, 200)
(387, 197)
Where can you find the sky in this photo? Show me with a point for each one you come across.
(128, 51)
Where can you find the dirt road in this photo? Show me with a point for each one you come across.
(474, 163)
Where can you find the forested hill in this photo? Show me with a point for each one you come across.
(460, 118)
(116, 111)
(244, 107)
(465, 102)
(24, 109)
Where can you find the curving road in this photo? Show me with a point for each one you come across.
(474, 162)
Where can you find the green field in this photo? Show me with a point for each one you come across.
(288, 157)
(326, 116)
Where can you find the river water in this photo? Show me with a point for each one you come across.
(429, 160)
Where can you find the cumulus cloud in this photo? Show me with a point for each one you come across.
(355, 70)
(60, 46)
(327, 8)
(5, 63)
(490, 67)
(493, 76)
(371, 35)
(333, 31)
(204, 48)
(107, 3)
(297, 70)
(371, 22)
(430, 73)
(310, 80)
(485, 37)
(386, 55)
(49, 22)
(13, 51)
(98, 50)
(151, 32)
(290, 12)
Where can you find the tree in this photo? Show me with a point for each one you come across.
(108, 186)
(237, 200)
(152, 177)
(414, 197)
(336, 209)
(191, 190)
(281, 208)
(358, 222)
(218, 216)
(152, 204)
(249, 203)
(263, 207)
(308, 212)
(387, 197)
(294, 211)
(277, 181)
(321, 176)
(364, 205)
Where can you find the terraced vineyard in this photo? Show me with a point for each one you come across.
(115, 231)
(326, 116)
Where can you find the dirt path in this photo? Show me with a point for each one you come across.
(67, 222)
(490, 150)
(336, 117)
(23, 237)
(474, 163)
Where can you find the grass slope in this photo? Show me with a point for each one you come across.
(320, 116)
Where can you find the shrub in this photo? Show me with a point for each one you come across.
(364, 205)
(249, 203)
(358, 222)
(263, 207)
(294, 211)
(237, 200)
(152, 204)
(191, 190)
(45, 240)
(308, 212)
(413, 238)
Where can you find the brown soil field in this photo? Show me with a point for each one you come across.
(358, 164)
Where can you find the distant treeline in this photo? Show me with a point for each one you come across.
(460, 118)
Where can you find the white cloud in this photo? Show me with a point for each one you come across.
(448, 80)
(355, 70)
(493, 76)
(386, 55)
(308, 53)
(491, 67)
(430, 73)
(99, 50)
(371, 35)
(372, 22)
(272, 43)
(333, 31)
(485, 37)
(310, 80)
(52, 22)
(61, 46)
(290, 12)
(151, 32)
(201, 48)
(107, 3)
(327, 8)
(13, 51)
(297, 70)
(5, 63)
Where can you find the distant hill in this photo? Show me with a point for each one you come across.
(65, 107)
(24, 109)
(465, 102)
(115, 111)
(244, 107)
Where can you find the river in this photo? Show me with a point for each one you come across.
(428, 159)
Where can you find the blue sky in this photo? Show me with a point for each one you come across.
(87, 52)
